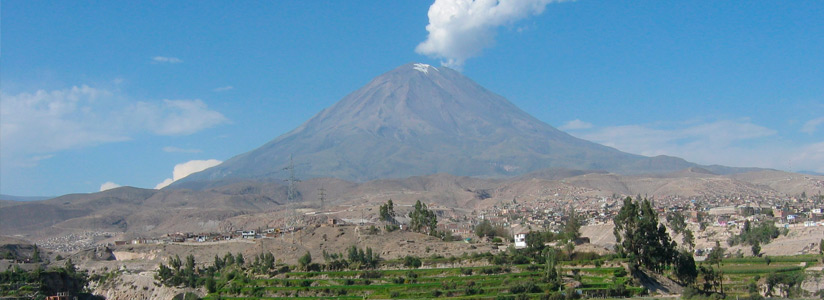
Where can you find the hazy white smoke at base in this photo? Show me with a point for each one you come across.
(186, 169)
(461, 29)
(108, 185)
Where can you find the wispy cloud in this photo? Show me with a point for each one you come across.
(185, 169)
(33, 126)
(459, 29)
(654, 140)
(726, 142)
(810, 158)
(223, 88)
(812, 125)
(108, 186)
(175, 117)
(575, 125)
(171, 149)
(166, 59)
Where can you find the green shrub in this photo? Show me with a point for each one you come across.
(370, 274)
(528, 287)
(469, 291)
(520, 260)
(412, 262)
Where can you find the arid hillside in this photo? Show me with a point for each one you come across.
(131, 212)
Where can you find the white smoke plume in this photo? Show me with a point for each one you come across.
(461, 29)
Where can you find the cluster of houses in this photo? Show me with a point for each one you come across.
(785, 212)
(180, 237)
(551, 214)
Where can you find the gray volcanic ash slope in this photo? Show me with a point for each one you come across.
(416, 120)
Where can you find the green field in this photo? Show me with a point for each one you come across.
(525, 281)
(460, 283)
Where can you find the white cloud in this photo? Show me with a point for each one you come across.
(108, 186)
(166, 59)
(461, 29)
(737, 143)
(812, 125)
(224, 88)
(47, 121)
(576, 125)
(33, 126)
(186, 169)
(171, 149)
(810, 158)
(175, 117)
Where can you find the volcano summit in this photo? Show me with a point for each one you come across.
(419, 119)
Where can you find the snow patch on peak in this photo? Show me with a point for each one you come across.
(423, 67)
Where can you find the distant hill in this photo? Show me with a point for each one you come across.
(22, 198)
(811, 173)
(419, 120)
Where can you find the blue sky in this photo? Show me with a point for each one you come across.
(137, 93)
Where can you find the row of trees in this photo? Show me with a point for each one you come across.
(422, 219)
(356, 259)
(177, 274)
(186, 273)
(646, 243)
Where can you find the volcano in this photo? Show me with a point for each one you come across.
(417, 120)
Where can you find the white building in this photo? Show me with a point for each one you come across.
(519, 235)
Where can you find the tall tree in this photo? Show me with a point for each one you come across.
(756, 249)
(218, 263)
(685, 269)
(387, 212)
(423, 220)
(552, 275)
(572, 228)
(305, 260)
(688, 239)
(641, 238)
(821, 247)
(35, 256)
(714, 257)
(484, 229)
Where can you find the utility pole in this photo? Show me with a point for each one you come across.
(292, 192)
(322, 195)
(291, 196)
